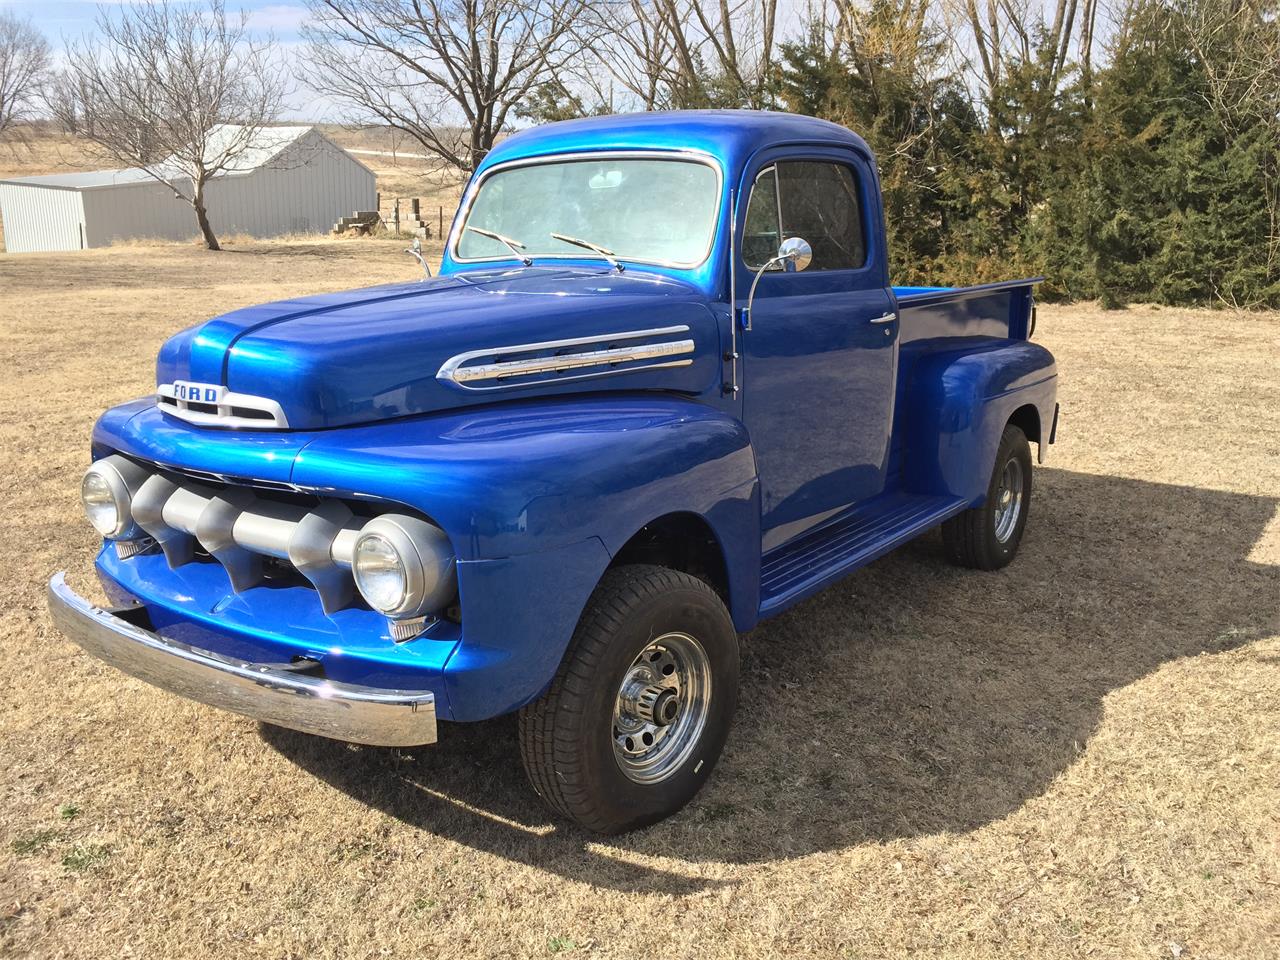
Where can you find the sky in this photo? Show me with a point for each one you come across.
(62, 18)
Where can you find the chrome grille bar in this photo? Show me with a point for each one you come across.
(238, 529)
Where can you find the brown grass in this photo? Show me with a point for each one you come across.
(1075, 757)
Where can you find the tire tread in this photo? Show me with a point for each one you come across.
(548, 743)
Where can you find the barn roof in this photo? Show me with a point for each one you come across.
(266, 145)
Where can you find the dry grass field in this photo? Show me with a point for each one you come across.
(1076, 757)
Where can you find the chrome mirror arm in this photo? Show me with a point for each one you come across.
(794, 253)
(751, 295)
(415, 251)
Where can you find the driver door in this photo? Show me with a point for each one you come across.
(820, 354)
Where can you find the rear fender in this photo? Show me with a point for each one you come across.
(958, 404)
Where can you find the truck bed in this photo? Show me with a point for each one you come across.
(988, 310)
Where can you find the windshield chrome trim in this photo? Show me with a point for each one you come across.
(685, 156)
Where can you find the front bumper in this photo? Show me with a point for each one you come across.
(271, 693)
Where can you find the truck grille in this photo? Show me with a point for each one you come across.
(248, 531)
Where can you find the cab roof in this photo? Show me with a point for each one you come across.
(731, 136)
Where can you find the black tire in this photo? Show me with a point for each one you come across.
(972, 538)
(567, 737)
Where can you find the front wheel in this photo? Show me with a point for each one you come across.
(638, 712)
(987, 537)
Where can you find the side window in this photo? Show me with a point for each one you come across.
(761, 233)
(812, 199)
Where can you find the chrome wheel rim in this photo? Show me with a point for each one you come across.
(661, 708)
(1008, 500)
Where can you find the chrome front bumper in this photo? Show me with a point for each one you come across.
(274, 694)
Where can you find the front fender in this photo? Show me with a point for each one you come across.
(537, 499)
(513, 479)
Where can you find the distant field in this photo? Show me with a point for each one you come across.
(1075, 757)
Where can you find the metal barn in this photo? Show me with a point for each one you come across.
(290, 180)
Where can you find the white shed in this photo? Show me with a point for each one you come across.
(290, 180)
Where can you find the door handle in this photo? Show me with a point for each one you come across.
(887, 318)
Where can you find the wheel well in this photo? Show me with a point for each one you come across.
(1027, 419)
(681, 541)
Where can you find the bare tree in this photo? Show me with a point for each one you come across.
(447, 72)
(1008, 33)
(740, 37)
(632, 44)
(181, 91)
(24, 61)
(66, 97)
(693, 53)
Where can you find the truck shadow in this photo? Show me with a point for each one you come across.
(909, 699)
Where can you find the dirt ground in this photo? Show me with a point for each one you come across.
(1078, 756)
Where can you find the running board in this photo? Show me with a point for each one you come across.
(799, 569)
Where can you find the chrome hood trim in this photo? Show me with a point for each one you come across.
(548, 357)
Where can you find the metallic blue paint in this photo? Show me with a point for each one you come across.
(845, 438)
(329, 365)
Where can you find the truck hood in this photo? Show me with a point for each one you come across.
(395, 351)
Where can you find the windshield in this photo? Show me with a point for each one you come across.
(645, 210)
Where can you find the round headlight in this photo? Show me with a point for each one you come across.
(403, 566)
(107, 493)
(379, 573)
(100, 503)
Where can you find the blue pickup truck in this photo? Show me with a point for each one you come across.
(660, 391)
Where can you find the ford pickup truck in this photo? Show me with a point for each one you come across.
(660, 391)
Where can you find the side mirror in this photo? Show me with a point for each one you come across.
(794, 253)
(415, 250)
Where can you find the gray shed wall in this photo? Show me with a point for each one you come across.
(38, 218)
(304, 190)
(146, 210)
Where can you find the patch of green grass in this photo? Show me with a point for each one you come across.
(34, 843)
(358, 850)
(713, 812)
(1234, 635)
(424, 903)
(84, 856)
(560, 944)
(68, 811)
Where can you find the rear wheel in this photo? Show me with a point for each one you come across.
(987, 537)
(639, 711)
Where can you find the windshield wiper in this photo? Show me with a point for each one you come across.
(603, 251)
(515, 246)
